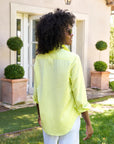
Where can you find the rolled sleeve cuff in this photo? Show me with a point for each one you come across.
(82, 108)
(35, 99)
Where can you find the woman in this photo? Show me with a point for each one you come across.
(59, 90)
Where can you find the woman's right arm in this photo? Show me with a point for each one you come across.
(89, 129)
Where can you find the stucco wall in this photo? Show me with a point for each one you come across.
(4, 34)
(99, 27)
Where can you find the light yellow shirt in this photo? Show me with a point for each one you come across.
(59, 90)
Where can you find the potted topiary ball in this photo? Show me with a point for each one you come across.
(100, 77)
(101, 45)
(14, 86)
(15, 43)
(100, 66)
(14, 71)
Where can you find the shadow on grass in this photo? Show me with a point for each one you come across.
(15, 120)
(32, 137)
(103, 125)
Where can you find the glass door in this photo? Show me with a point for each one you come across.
(33, 45)
(19, 31)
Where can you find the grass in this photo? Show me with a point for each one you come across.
(99, 99)
(18, 119)
(34, 137)
(103, 125)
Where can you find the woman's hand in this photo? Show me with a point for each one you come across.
(39, 121)
(89, 132)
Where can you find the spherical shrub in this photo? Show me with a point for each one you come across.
(100, 66)
(101, 45)
(14, 71)
(111, 85)
(14, 43)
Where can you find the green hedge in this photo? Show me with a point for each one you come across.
(100, 66)
(14, 43)
(14, 71)
(111, 85)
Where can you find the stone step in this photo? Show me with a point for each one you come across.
(96, 93)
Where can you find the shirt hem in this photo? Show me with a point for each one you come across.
(60, 133)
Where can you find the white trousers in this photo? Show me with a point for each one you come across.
(72, 137)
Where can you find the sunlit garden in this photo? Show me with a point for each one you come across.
(22, 123)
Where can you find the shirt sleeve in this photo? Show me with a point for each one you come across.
(35, 93)
(78, 86)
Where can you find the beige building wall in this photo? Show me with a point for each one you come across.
(98, 26)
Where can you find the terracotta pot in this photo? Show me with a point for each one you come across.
(100, 80)
(14, 90)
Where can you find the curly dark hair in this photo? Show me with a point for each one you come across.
(51, 30)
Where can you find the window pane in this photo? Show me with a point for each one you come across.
(34, 36)
(18, 27)
(34, 48)
(18, 33)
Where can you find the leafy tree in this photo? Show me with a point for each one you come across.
(111, 54)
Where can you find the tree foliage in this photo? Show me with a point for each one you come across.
(111, 58)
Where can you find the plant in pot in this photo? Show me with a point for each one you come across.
(14, 86)
(100, 77)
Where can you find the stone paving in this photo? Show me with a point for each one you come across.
(103, 106)
(3, 108)
(97, 93)
(29, 103)
(91, 94)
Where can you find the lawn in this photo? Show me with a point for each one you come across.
(18, 119)
(103, 125)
